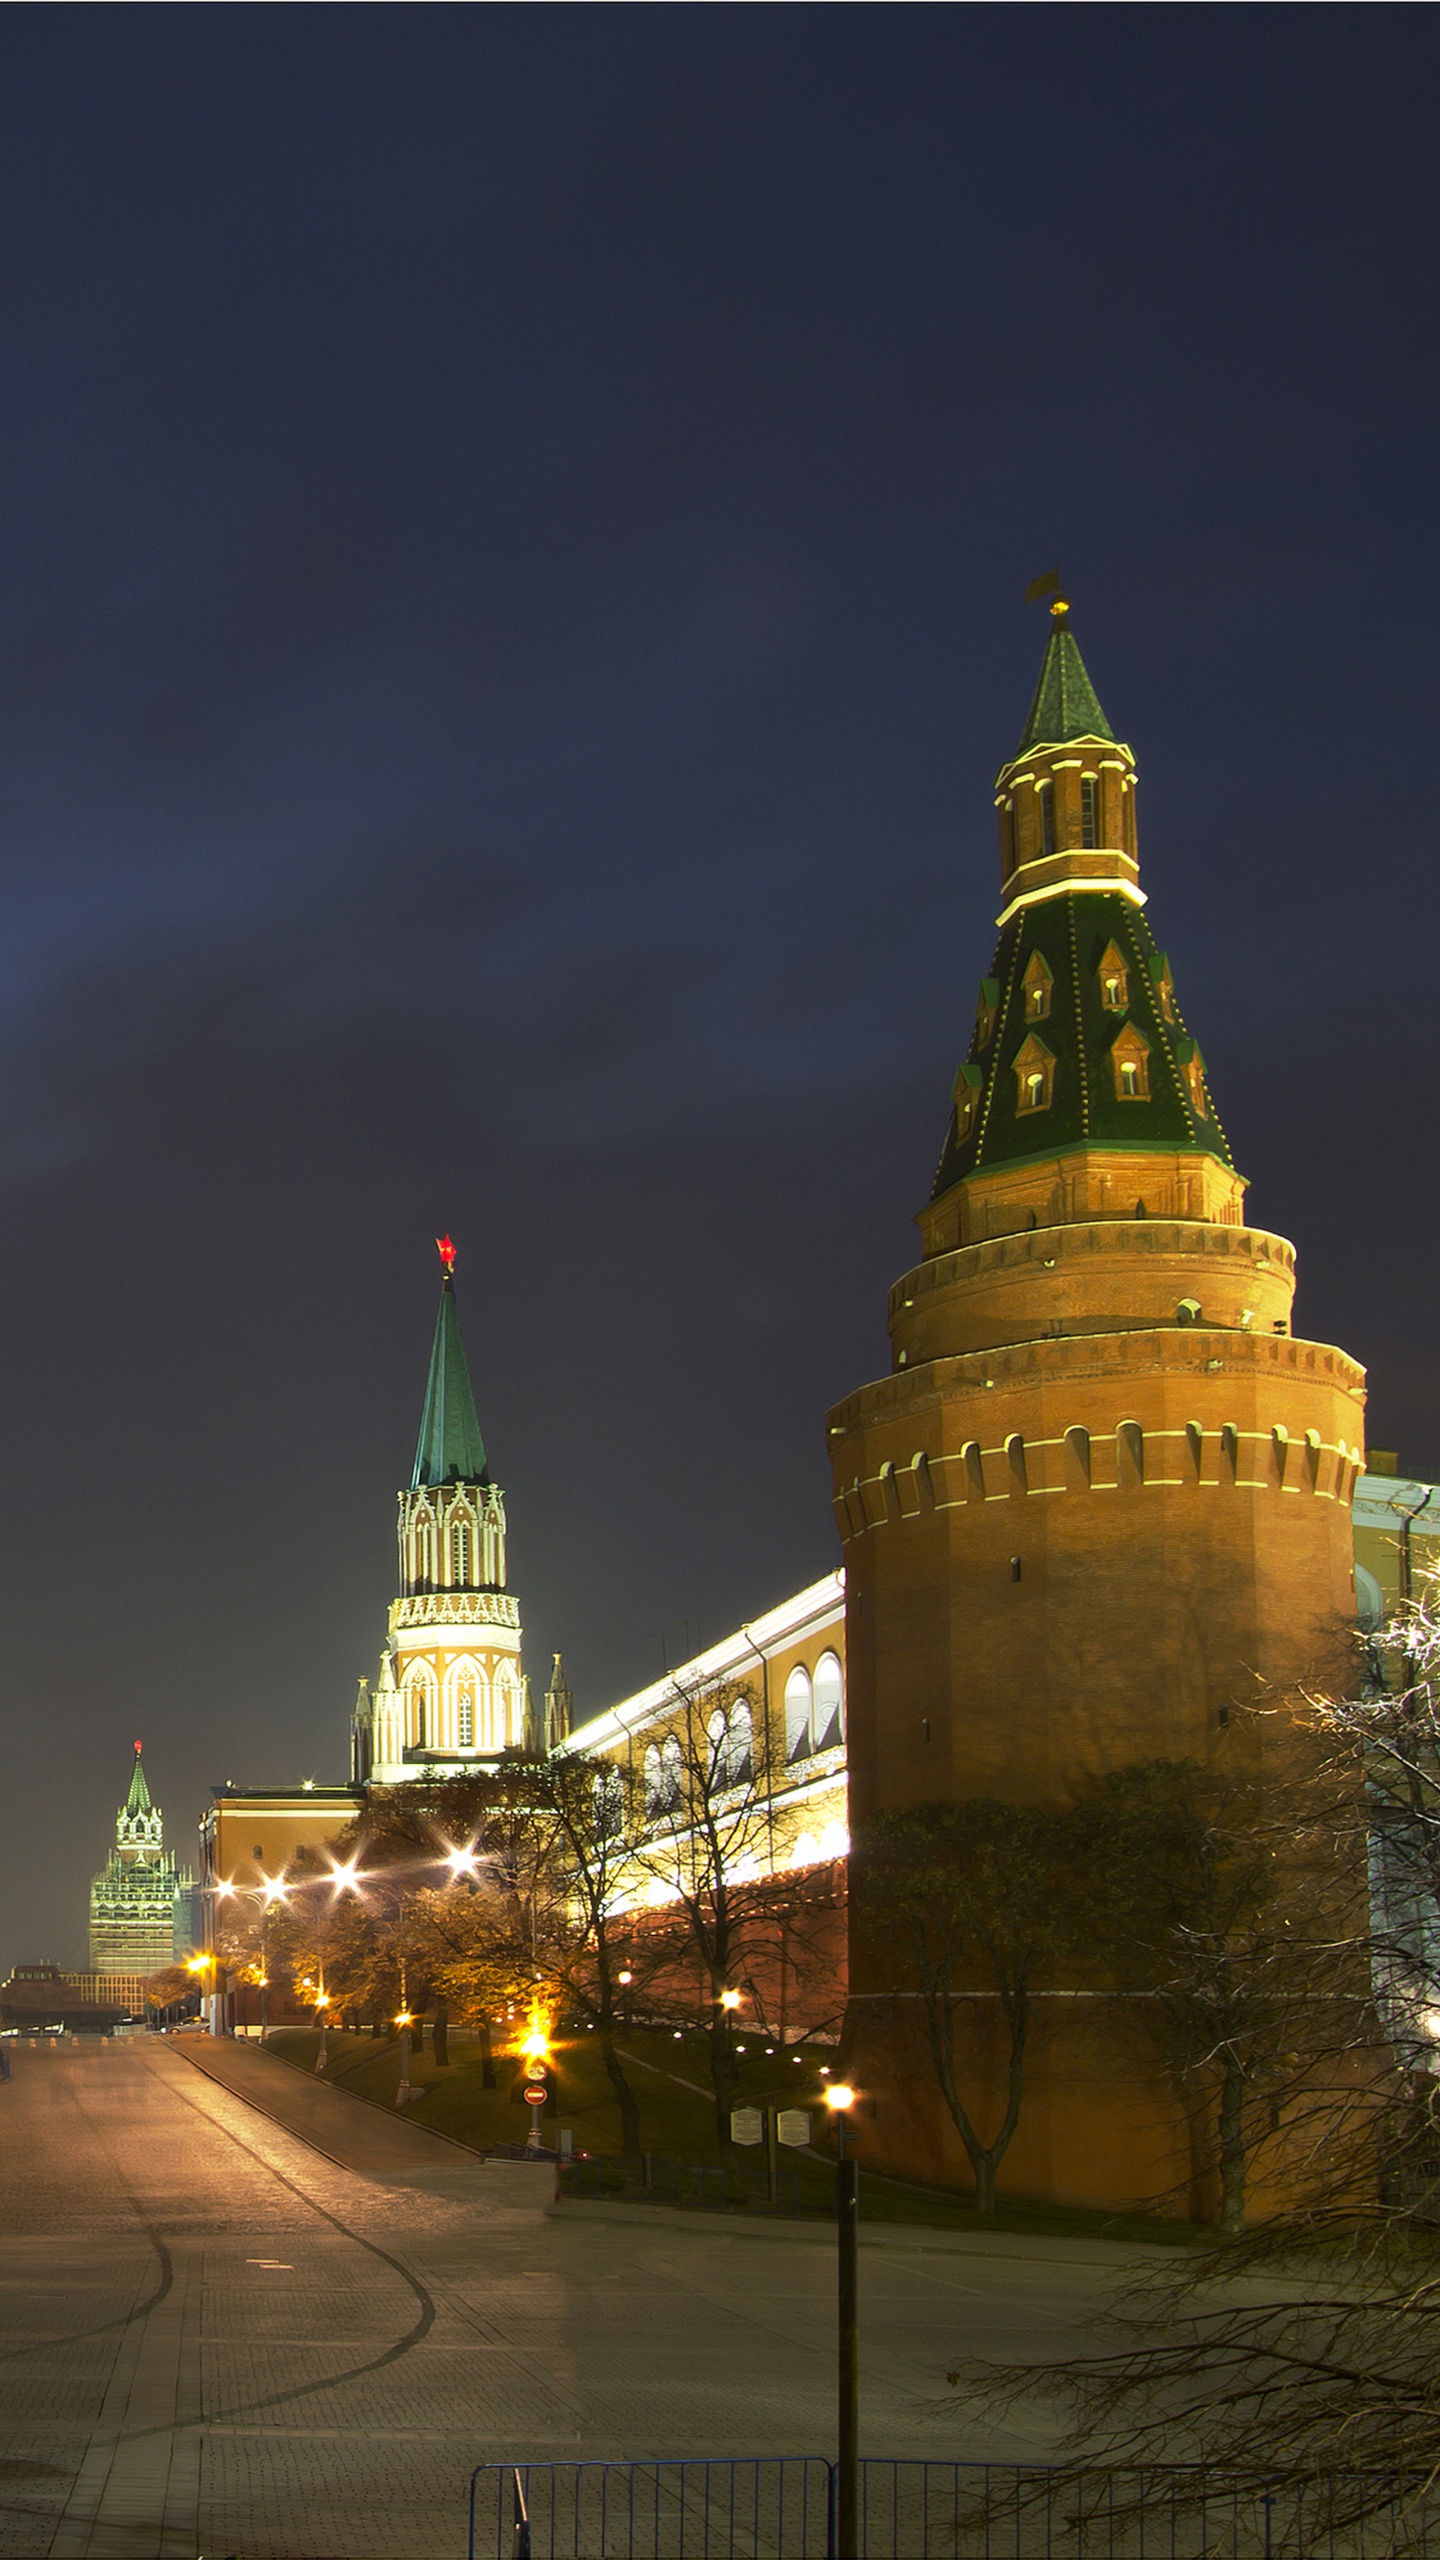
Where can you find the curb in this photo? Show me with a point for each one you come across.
(909, 2238)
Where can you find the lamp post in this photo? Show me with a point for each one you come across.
(271, 1892)
(402, 2094)
(322, 2003)
(840, 2099)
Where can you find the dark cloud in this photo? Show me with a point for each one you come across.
(509, 567)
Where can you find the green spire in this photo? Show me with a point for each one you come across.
(138, 1800)
(1064, 705)
(450, 1449)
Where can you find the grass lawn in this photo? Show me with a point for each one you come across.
(678, 2122)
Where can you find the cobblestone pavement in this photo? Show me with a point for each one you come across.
(215, 2340)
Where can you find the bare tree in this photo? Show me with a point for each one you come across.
(1216, 1904)
(1304, 2344)
(969, 1903)
(707, 1842)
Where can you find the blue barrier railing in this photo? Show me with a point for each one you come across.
(782, 2507)
(703, 2185)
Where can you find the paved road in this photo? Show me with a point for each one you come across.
(216, 2340)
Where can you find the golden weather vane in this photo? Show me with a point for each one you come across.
(1049, 585)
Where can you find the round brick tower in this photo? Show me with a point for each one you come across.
(1104, 1492)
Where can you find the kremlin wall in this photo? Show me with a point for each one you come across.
(1102, 1498)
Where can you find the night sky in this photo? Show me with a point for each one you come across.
(513, 526)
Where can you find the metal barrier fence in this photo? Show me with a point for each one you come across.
(773, 2508)
(700, 2184)
(783, 2508)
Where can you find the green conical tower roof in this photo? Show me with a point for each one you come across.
(1079, 1038)
(1065, 704)
(450, 1449)
(138, 1800)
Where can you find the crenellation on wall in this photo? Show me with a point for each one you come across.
(1140, 1480)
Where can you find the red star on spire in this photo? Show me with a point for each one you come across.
(446, 1251)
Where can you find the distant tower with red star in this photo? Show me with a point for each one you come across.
(140, 1902)
(451, 1691)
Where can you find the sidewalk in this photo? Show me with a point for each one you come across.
(352, 2132)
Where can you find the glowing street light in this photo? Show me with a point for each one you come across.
(272, 1892)
(840, 2098)
(729, 1999)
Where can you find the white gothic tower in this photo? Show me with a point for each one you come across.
(450, 1692)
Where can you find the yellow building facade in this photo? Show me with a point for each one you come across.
(777, 1688)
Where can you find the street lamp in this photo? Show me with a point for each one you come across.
(271, 1892)
(322, 2003)
(840, 2098)
(199, 1966)
(402, 2021)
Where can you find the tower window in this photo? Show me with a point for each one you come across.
(1046, 797)
(1130, 1064)
(460, 1555)
(1038, 983)
(465, 1715)
(1034, 1076)
(1114, 976)
(969, 1085)
(1089, 811)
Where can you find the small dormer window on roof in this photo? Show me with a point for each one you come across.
(1192, 1068)
(1114, 979)
(1130, 1064)
(1038, 984)
(969, 1085)
(987, 1007)
(1034, 1075)
(1164, 986)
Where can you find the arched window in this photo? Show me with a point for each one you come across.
(460, 1555)
(1130, 1455)
(1077, 1458)
(1089, 811)
(672, 1770)
(465, 1711)
(609, 1804)
(654, 1781)
(829, 1718)
(717, 1734)
(424, 1547)
(742, 1743)
(1015, 1452)
(797, 1713)
(1046, 797)
(419, 1717)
